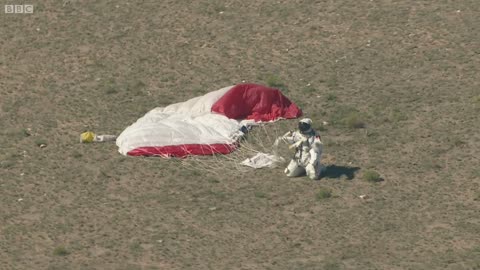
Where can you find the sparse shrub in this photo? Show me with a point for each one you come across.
(353, 120)
(476, 101)
(136, 248)
(7, 164)
(260, 194)
(77, 154)
(321, 128)
(137, 84)
(332, 82)
(217, 194)
(476, 173)
(39, 142)
(275, 82)
(110, 87)
(110, 90)
(17, 133)
(167, 78)
(372, 176)
(324, 194)
(60, 251)
(136, 88)
(309, 90)
(331, 97)
(331, 265)
(213, 180)
(348, 117)
(458, 142)
(398, 115)
(26, 133)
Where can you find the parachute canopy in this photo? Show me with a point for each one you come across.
(205, 125)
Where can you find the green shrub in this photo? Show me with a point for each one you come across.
(476, 101)
(26, 133)
(7, 164)
(347, 117)
(309, 89)
(110, 90)
(353, 120)
(331, 97)
(275, 82)
(321, 128)
(372, 176)
(60, 251)
(458, 142)
(324, 194)
(398, 115)
(260, 194)
(39, 142)
(77, 154)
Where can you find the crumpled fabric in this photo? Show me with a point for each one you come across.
(262, 160)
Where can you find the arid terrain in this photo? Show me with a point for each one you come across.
(398, 83)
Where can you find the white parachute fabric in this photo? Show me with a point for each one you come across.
(262, 160)
(189, 122)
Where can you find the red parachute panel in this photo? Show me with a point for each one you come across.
(257, 102)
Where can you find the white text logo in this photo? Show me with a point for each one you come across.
(18, 9)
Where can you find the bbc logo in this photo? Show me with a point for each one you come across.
(18, 8)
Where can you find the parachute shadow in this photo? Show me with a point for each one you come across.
(334, 171)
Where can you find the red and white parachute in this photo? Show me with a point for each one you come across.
(205, 125)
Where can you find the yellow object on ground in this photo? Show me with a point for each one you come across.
(87, 137)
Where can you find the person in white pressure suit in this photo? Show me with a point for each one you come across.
(308, 151)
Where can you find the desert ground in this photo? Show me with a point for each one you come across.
(397, 83)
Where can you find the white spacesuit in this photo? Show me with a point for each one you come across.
(308, 151)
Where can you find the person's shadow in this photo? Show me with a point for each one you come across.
(334, 171)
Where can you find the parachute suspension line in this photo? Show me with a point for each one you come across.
(263, 139)
(267, 135)
(197, 163)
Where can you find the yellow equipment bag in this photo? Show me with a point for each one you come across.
(87, 137)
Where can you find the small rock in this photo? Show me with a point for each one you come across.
(363, 197)
(212, 208)
(20, 199)
(325, 123)
(221, 12)
(160, 241)
(42, 145)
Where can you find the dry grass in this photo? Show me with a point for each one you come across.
(405, 71)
